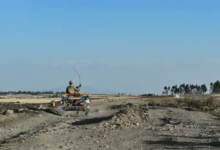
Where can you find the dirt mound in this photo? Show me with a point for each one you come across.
(17, 107)
(10, 106)
(129, 115)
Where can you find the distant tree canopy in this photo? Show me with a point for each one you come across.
(184, 89)
(148, 94)
(215, 87)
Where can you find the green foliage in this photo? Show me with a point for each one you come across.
(185, 89)
(148, 94)
(215, 87)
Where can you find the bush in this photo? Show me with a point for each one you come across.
(197, 103)
(148, 94)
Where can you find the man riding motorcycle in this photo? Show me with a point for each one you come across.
(71, 89)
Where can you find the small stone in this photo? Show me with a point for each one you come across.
(171, 129)
(40, 107)
(9, 112)
(53, 104)
(21, 109)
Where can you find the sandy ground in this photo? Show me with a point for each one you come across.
(39, 99)
(31, 100)
(167, 128)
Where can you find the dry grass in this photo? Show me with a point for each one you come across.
(15, 116)
(210, 103)
(45, 99)
(31, 100)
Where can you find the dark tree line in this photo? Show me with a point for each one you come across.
(29, 92)
(186, 89)
(215, 87)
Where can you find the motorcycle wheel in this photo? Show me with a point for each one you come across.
(87, 112)
(61, 112)
(65, 106)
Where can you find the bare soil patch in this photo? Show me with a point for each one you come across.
(116, 125)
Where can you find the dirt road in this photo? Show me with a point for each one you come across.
(167, 128)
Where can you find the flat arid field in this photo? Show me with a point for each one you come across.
(114, 123)
(46, 99)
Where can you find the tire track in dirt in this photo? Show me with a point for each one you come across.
(168, 128)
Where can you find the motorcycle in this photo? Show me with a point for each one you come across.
(76, 102)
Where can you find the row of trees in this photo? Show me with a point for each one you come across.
(215, 87)
(186, 89)
(29, 92)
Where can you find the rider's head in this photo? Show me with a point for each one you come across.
(70, 82)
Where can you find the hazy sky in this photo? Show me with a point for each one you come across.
(132, 46)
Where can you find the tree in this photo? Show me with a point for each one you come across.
(216, 87)
(192, 89)
(186, 89)
(168, 90)
(177, 90)
(211, 87)
(173, 89)
(181, 89)
(198, 89)
(203, 88)
(165, 90)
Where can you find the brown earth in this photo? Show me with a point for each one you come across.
(111, 125)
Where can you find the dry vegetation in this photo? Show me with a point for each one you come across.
(209, 103)
(28, 99)
(47, 98)
(114, 122)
